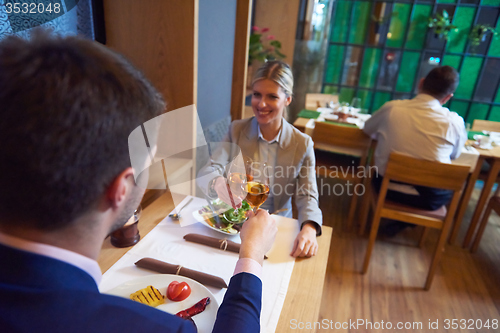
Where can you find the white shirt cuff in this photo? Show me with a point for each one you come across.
(248, 265)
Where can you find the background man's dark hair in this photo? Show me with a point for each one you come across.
(441, 81)
(67, 107)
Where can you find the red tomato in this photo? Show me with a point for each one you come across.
(178, 291)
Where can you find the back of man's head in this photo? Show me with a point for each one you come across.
(67, 108)
(440, 82)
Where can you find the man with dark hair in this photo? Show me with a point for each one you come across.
(421, 128)
(68, 106)
(441, 83)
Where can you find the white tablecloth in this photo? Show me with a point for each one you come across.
(165, 242)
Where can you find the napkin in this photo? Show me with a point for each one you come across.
(166, 268)
(223, 244)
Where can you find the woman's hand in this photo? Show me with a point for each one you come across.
(305, 245)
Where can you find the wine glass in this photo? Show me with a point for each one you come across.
(356, 104)
(236, 181)
(257, 184)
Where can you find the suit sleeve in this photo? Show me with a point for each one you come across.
(306, 196)
(240, 309)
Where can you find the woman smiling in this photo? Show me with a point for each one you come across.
(268, 137)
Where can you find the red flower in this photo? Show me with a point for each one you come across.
(270, 37)
(256, 28)
(265, 30)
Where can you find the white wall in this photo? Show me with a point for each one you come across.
(215, 60)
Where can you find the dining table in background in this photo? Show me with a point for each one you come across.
(492, 157)
(470, 156)
(305, 289)
(306, 119)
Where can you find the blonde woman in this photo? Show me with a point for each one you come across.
(268, 137)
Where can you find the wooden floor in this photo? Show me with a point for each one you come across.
(466, 286)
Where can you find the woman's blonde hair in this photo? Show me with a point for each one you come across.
(278, 72)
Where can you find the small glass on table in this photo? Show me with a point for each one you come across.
(127, 235)
(355, 104)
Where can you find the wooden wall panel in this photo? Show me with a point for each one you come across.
(280, 16)
(240, 58)
(160, 38)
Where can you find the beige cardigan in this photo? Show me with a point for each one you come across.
(295, 151)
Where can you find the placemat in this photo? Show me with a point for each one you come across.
(309, 114)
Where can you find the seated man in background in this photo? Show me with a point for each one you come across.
(68, 106)
(421, 128)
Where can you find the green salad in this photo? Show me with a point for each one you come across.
(223, 217)
(238, 215)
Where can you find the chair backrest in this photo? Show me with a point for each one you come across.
(415, 171)
(339, 135)
(313, 101)
(486, 125)
(341, 139)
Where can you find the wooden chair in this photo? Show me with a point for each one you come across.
(424, 173)
(342, 148)
(314, 101)
(493, 204)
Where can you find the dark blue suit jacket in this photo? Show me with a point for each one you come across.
(41, 294)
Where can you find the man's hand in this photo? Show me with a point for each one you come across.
(257, 236)
(232, 197)
(305, 245)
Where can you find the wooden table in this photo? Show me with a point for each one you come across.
(492, 156)
(300, 124)
(303, 298)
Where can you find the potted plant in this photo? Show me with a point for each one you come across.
(479, 33)
(441, 23)
(263, 47)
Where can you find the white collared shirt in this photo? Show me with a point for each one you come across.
(419, 127)
(86, 264)
(268, 151)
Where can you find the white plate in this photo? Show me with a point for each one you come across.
(200, 219)
(204, 321)
(324, 110)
